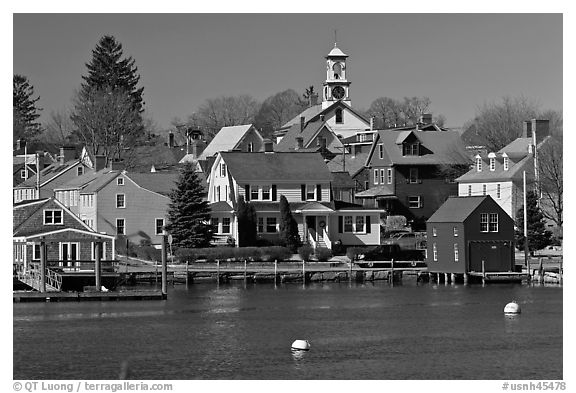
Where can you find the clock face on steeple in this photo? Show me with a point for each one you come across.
(338, 92)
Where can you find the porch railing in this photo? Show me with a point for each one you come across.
(82, 265)
(32, 277)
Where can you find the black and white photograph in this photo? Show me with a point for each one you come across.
(337, 193)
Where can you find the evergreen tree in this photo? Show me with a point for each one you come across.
(108, 70)
(289, 236)
(247, 221)
(538, 236)
(188, 212)
(24, 109)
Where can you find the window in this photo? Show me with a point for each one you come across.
(226, 225)
(23, 173)
(120, 181)
(469, 190)
(492, 164)
(266, 193)
(271, 224)
(348, 224)
(102, 251)
(434, 232)
(479, 164)
(382, 176)
(222, 169)
(53, 217)
(366, 185)
(483, 189)
(214, 223)
(80, 170)
(260, 224)
(159, 226)
(389, 177)
(413, 177)
(455, 230)
(498, 193)
(493, 222)
(506, 163)
(455, 252)
(339, 116)
(434, 252)
(484, 222)
(120, 226)
(218, 193)
(414, 202)
(375, 176)
(120, 201)
(411, 149)
(254, 193)
(359, 224)
(36, 252)
(381, 150)
(250, 147)
(310, 192)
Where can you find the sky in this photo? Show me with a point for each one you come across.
(459, 61)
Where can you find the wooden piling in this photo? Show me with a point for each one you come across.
(392, 270)
(164, 267)
(453, 278)
(303, 271)
(43, 266)
(245, 268)
(97, 272)
(275, 270)
(186, 272)
(218, 270)
(483, 272)
(465, 278)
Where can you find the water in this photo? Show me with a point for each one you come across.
(357, 331)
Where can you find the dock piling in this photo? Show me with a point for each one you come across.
(97, 272)
(164, 267)
(42, 266)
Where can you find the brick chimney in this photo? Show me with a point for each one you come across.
(67, 153)
(313, 99)
(539, 127)
(299, 142)
(170, 139)
(100, 163)
(527, 129)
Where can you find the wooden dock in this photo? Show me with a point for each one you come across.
(34, 296)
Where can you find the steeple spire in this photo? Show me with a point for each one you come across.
(335, 38)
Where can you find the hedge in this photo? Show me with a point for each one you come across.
(255, 254)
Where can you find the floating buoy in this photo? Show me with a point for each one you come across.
(512, 308)
(301, 345)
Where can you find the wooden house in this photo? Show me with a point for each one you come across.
(470, 235)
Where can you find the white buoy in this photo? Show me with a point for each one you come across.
(301, 345)
(512, 308)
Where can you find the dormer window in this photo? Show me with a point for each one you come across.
(506, 163)
(492, 158)
(222, 169)
(80, 170)
(120, 181)
(53, 217)
(411, 149)
(478, 164)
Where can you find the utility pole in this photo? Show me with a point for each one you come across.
(37, 176)
(526, 248)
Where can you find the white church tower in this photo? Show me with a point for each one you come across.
(336, 86)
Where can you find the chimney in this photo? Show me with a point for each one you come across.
(302, 122)
(117, 165)
(299, 142)
(313, 99)
(541, 129)
(100, 163)
(371, 123)
(268, 146)
(197, 147)
(170, 139)
(426, 118)
(527, 129)
(67, 153)
(322, 117)
(20, 144)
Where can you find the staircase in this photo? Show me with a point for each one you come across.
(32, 279)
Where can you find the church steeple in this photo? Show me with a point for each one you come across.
(336, 87)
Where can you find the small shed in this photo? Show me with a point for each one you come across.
(468, 232)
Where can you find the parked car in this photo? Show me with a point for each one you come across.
(407, 240)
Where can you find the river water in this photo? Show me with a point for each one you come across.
(244, 331)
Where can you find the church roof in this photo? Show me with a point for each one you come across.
(336, 52)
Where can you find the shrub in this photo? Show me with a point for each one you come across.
(353, 253)
(276, 253)
(247, 253)
(305, 252)
(323, 254)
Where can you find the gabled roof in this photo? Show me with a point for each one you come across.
(161, 183)
(49, 173)
(100, 182)
(517, 146)
(445, 147)
(457, 209)
(225, 140)
(354, 164)
(277, 166)
(342, 180)
(82, 181)
(310, 131)
(342, 105)
(221, 207)
(143, 157)
(376, 191)
(514, 172)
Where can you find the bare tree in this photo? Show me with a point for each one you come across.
(277, 110)
(551, 179)
(59, 127)
(216, 113)
(389, 113)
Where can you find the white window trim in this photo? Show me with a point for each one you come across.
(456, 253)
(492, 164)
(434, 252)
(389, 175)
(417, 178)
(482, 215)
(23, 173)
(419, 201)
(478, 164)
(229, 226)
(382, 176)
(381, 151)
(484, 189)
(315, 197)
(156, 225)
(376, 176)
(434, 232)
(80, 169)
(455, 231)
(53, 219)
(266, 225)
(93, 256)
(506, 163)
(34, 256)
(498, 191)
(495, 222)
(354, 218)
(120, 181)
(469, 189)
(61, 249)
(124, 232)
(124, 200)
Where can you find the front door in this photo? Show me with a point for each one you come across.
(68, 254)
(311, 225)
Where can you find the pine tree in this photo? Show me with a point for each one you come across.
(188, 212)
(289, 236)
(25, 111)
(108, 70)
(538, 236)
(247, 221)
